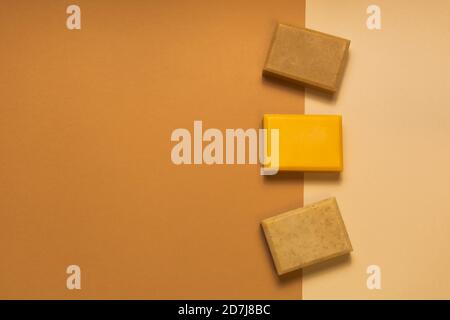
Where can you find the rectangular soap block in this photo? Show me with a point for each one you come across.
(307, 57)
(306, 142)
(306, 236)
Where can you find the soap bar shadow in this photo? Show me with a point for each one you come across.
(322, 177)
(285, 176)
(327, 266)
(283, 84)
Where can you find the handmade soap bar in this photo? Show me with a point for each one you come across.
(307, 57)
(305, 236)
(306, 142)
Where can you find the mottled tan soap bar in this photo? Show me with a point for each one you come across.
(305, 236)
(307, 57)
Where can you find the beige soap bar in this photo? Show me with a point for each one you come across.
(305, 236)
(307, 57)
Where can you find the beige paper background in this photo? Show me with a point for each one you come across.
(85, 170)
(394, 192)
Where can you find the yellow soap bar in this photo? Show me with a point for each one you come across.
(305, 236)
(306, 142)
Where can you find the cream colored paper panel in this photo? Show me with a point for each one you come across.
(394, 191)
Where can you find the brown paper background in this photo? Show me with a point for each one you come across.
(85, 170)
